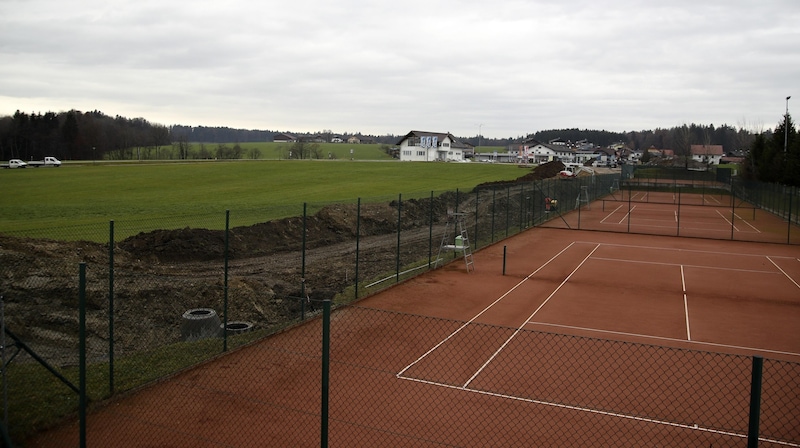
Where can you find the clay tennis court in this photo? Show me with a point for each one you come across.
(558, 338)
(701, 215)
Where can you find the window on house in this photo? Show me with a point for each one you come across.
(406, 153)
(413, 141)
(420, 153)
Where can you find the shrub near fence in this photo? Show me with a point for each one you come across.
(265, 277)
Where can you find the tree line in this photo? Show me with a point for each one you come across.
(76, 135)
(730, 138)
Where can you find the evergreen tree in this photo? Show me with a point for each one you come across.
(775, 157)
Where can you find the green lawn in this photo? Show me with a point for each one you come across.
(83, 193)
(275, 151)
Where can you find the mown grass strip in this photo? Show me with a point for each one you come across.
(169, 195)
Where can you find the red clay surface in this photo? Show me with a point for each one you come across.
(685, 215)
(566, 349)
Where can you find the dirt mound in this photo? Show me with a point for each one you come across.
(162, 273)
(332, 224)
(543, 171)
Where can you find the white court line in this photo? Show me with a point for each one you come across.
(784, 272)
(484, 310)
(600, 412)
(497, 352)
(662, 263)
(685, 305)
(743, 220)
(624, 217)
(664, 338)
(643, 336)
(726, 220)
(602, 221)
(714, 252)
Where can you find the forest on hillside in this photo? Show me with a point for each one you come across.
(76, 135)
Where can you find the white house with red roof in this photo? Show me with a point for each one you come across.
(708, 154)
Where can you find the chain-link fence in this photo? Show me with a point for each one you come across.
(167, 293)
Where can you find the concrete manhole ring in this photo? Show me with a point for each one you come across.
(200, 323)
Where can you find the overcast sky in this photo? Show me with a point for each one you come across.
(506, 68)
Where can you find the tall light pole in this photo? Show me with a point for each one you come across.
(786, 126)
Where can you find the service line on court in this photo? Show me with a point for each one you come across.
(458, 330)
(500, 349)
(714, 252)
(668, 339)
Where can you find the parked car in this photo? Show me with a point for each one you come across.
(15, 163)
(48, 161)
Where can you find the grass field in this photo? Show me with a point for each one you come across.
(279, 151)
(87, 193)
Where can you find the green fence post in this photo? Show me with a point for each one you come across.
(679, 211)
(399, 223)
(630, 193)
(733, 212)
(430, 231)
(755, 402)
(303, 267)
(508, 208)
(111, 308)
(494, 206)
(358, 242)
(789, 220)
(225, 284)
(475, 235)
(521, 205)
(82, 354)
(326, 345)
(578, 203)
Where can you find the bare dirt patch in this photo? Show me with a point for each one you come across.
(161, 274)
